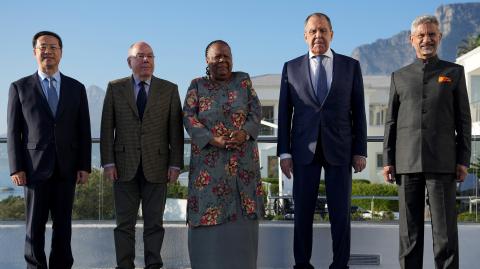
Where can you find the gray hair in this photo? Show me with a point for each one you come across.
(422, 20)
(320, 15)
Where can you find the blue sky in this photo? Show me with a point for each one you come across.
(262, 34)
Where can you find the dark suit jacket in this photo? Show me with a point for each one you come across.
(157, 140)
(37, 138)
(340, 120)
(428, 125)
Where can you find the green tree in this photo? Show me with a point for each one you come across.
(468, 44)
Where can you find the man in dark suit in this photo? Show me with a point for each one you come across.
(427, 144)
(141, 143)
(321, 124)
(49, 150)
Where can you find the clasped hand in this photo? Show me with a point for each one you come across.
(234, 141)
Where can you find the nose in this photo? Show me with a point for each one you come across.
(220, 59)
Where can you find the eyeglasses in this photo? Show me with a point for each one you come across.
(50, 47)
(143, 56)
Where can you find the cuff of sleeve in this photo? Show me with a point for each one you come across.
(203, 140)
(285, 156)
(108, 165)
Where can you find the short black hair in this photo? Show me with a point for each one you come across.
(42, 33)
(214, 42)
(320, 15)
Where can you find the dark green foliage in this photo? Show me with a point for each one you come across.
(468, 44)
(322, 191)
(177, 191)
(12, 208)
(94, 200)
(274, 189)
(374, 189)
(467, 217)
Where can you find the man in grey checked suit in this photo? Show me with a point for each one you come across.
(427, 144)
(141, 145)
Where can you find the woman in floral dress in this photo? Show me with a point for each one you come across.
(222, 116)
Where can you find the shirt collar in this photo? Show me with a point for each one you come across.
(43, 76)
(431, 60)
(328, 54)
(137, 80)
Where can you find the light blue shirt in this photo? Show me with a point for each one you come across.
(327, 63)
(136, 87)
(44, 83)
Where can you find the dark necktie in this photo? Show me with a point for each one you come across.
(52, 96)
(321, 88)
(141, 99)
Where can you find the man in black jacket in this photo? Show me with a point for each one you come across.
(49, 150)
(427, 144)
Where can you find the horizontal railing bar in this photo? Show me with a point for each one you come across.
(262, 139)
(356, 197)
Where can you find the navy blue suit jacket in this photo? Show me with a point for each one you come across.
(340, 119)
(37, 138)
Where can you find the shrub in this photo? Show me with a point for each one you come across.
(375, 189)
(358, 181)
(94, 200)
(177, 191)
(466, 217)
(12, 208)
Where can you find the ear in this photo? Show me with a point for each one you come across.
(411, 40)
(129, 63)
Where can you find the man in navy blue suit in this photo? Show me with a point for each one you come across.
(321, 124)
(49, 150)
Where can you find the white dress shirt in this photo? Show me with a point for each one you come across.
(328, 64)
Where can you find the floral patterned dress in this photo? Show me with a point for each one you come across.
(221, 178)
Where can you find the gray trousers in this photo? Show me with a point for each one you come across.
(128, 195)
(441, 193)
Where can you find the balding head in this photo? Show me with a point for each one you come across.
(141, 60)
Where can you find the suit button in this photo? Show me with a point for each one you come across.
(424, 111)
(138, 148)
(424, 96)
(425, 82)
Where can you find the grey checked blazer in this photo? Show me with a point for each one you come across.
(157, 140)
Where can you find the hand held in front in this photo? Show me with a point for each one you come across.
(389, 173)
(19, 178)
(110, 173)
(287, 167)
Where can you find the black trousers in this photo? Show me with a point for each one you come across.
(441, 191)
(53, 197)
(338, 181)
(128, 195)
